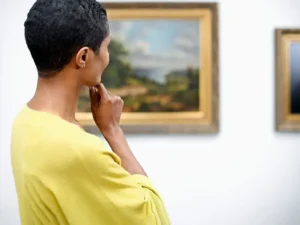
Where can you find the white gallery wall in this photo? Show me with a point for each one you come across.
(246, 175)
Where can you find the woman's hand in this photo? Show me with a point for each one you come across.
(106, 109)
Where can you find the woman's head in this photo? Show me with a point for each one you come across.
(68, 34)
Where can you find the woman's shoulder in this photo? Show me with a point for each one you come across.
(44, 131)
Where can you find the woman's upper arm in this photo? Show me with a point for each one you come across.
(130, 198)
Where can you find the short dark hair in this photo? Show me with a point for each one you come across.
(56, 29)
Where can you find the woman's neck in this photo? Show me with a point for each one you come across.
(58, 96)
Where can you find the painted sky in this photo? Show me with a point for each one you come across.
(159, 45)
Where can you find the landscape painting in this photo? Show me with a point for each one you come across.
(288, 80)
(154, 65)
(295, 77)
(163, 64)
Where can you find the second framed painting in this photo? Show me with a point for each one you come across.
(288, 79)
(164, 65)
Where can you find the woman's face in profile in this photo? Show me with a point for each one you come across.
(96, 64)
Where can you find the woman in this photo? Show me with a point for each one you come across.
(64, 175)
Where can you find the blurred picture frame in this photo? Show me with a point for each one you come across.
(184, 98)
(288, 80)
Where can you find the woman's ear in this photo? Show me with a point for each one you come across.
(82, 57)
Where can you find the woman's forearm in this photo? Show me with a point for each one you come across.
(119, 145)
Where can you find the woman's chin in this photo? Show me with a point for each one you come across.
(98, 81)
(94, 82)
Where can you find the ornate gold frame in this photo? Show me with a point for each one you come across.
(206, 120)
(285, 121)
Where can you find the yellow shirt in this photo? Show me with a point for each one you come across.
(65, 176)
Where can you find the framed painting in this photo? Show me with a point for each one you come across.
(164, 65)
(288, 79)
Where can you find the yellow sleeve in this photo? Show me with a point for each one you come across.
(97, 190)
